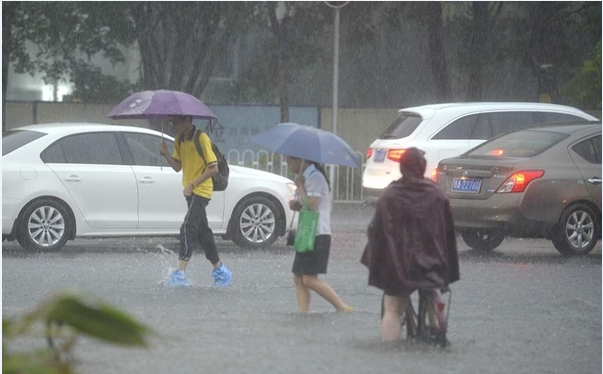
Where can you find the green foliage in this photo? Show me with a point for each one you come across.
(67, 36)
(304, 27)
(92, 86)
(182, 42)
(66, 317)
(584, 89)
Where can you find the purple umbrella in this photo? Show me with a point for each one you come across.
(160, 104)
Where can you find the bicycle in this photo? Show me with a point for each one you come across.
(428, 322)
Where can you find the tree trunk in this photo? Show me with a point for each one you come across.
(478, 50)
(540, 54)
(436, 51)
(8, 12)
(279, 31)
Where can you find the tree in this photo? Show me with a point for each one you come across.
(283, 50)
(180, 42)
(280, 31)
(552, 53)
(9, 8)
(67, 36)
(584, 90)
(436, 50)
(478, 50)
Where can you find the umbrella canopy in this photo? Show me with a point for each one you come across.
(160, 104)
(309, 143)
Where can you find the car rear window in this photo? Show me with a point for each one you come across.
(16, 139)
(402, 127)
(524, 143)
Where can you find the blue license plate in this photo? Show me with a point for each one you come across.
(470, 185)
(380, 155)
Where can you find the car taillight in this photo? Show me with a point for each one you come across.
(395, 154)
(519, 181)
(497, 152)
(434, 175)
(369, 153)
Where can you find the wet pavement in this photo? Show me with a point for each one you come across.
(521, 309)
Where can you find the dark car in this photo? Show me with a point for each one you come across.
(541, 182)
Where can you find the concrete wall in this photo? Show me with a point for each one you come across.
(27, 113)
(18, 114)
(358, 127)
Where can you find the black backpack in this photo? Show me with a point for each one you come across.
(221, 178)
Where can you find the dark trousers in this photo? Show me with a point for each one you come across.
(195, 231)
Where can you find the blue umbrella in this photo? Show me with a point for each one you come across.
(309, 143)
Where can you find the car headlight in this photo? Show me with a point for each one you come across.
(292, 187)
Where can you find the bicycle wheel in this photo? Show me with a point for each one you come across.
(422, 324)
(419, 319)
(410, 318)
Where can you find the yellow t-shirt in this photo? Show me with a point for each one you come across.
(193, 164)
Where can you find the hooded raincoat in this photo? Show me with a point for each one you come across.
(411, 239)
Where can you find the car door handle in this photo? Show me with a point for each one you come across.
(146, 180)
(73, 178)
(594, 180)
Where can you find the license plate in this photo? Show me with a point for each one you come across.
(380, 155)
(470, 185)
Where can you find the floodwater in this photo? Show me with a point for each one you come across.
(521, 309)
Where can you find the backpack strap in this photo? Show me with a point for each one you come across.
(198, 145)
(196, 135)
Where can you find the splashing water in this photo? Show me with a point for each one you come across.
(165, 257)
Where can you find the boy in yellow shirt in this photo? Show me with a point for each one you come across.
(198, 189)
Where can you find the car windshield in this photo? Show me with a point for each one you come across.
(402, 127)
(525, 143)
(16, 139)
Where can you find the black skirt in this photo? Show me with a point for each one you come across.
(314, 262)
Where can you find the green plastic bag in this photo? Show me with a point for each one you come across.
(306, 231)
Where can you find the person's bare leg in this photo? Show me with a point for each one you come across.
(324, 290)
(303, 294)
(391, 328)
(182, 265)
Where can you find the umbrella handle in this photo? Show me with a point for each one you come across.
(163, 141)
(162, 138)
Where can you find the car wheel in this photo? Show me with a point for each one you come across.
(44, 225)
(576, 233)
(483, 239)
(255, 223)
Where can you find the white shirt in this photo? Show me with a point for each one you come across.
(316, 185)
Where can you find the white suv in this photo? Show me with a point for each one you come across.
(447, 130)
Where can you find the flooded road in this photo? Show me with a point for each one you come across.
(520, 309)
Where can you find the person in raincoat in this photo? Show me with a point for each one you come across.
(411, 241)
(313, 188)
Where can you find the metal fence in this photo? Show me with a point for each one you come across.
(345, 188)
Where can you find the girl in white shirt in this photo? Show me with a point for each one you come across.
(313, 187)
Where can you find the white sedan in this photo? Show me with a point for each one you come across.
(62, 181)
